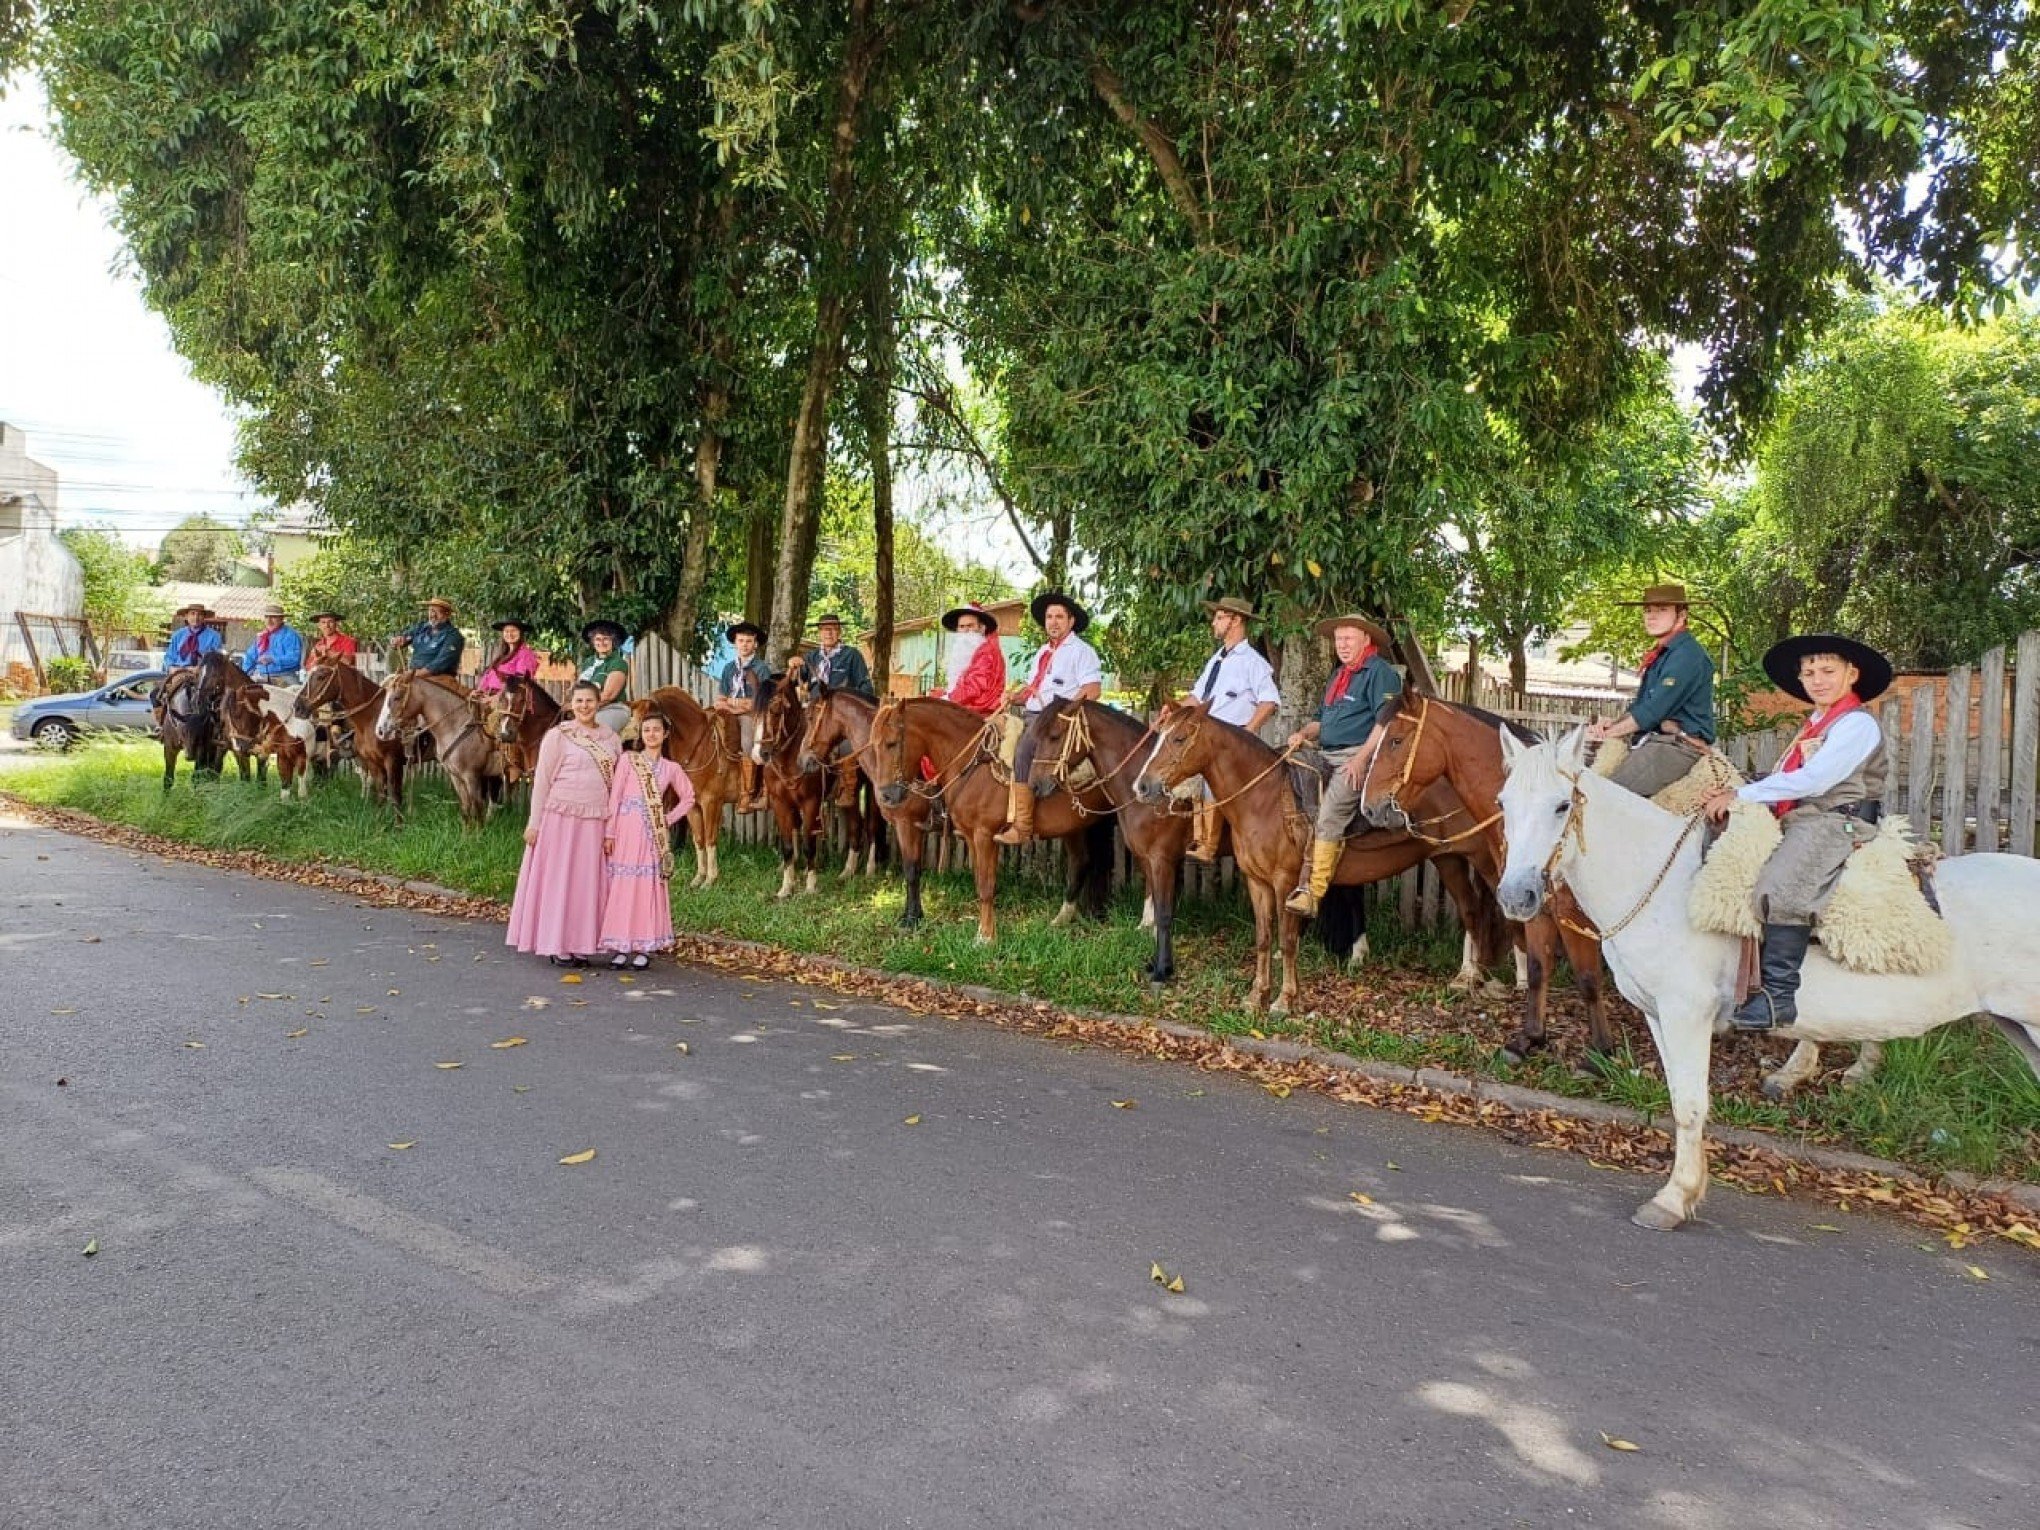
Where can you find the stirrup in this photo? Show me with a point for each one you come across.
(1746, 1019)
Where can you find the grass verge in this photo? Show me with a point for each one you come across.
(1959, 1098)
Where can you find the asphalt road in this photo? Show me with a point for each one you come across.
(774, 1300)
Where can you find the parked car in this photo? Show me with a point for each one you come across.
(121, 661)
(122, 705)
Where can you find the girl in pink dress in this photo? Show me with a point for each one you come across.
(557, 911)
(637, 913)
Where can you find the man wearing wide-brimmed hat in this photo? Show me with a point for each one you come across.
(1237, 686)
(1066, 668)
(975, 665)
(833, 665)
(277, 652)
(194, 639)
(1348, 730)
(736, 692)
(435, 642)
(1828, 793)
(331, 646)
(1674, 706)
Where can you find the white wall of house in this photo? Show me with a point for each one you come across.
(37, 572)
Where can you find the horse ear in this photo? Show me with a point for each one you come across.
(1572, 749)
(1512, 747)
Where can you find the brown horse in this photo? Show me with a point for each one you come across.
(794, 795)
(464, 749)
(903, 732)
(1426, 741)
(358, 700)
(704, 744)
(519, 715)
(188, 710)
(1067, 734)
(1269, 832)
(841, 720)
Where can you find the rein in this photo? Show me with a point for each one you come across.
(1575, 829)
(1252, 781)
(926, 790)
(1079, 743)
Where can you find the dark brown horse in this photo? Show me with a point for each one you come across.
(794, 795)
(188, 711)
(520, 714)
(704, 744)
(1066, 735)
(464, 749)
(953, 739)
(358, 700)
(1269, 833)
(1426, 742)
(841, 721)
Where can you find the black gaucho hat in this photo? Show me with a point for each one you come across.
(319, 616)
(737, 628)
(524, 626)
(1079, 617)
(956, 614)
(1873, 670)
(603, 624)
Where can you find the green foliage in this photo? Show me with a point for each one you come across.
(118, 598)
(199, 549)
(927, 580)
(66, 675)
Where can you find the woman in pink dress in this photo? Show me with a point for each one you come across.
(557, 911)
(637, 912)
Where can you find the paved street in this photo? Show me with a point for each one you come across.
(770, 1300)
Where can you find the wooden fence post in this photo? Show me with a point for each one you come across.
(2025, 741)
(1919, 764)
(1955, 784)
(1990, 745)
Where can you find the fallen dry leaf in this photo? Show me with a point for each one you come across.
(1979, 1271)
(912, 1121)
(399, 1147)
(194, 1046)
(90, 1249)
(364, 1009)
(819, 1004)
(1124, 1104)
(1616, 1442)
(587, 1155)
(842, 1057)
(276, 996)
(570, 977)
(446, 1065)
(303, 1030)
(506, 1043)
(1822, 1227)
(535, 1002)
(682, 1048)
(393, 992)
(1175, 1286)
(65, 1011)
(1280, 1091)
(1364, 1200)
(519, 1088)
(317, 961)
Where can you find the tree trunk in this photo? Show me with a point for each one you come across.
(800, 523)
(761, 540)
(878, 420)
(1519, 668)
(683, 616)
(1297, 673)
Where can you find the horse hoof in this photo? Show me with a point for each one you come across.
(1655, 1218)
(1279, 1010)
(1774, 1091)
(1511, 1057)
(981, 940)
(1594, 1067)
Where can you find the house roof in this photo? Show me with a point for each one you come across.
(1008, 612)
(230, 602)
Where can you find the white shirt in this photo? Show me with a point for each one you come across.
(1843, 747)
(1236, 680)
(1074, 666)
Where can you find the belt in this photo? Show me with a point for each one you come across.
(1867, 811)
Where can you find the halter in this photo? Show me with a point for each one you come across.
(1575, 829)
(1192, 730)
(1389, 799)
(1078, 745)
(977, 741)
(817, 714)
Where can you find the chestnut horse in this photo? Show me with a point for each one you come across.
(1066, 734)
(704, 744)
(839, 720)
(953, 738)
(358, 700)
(1250, 782)
(463, 747)
(1426, 741)
(519, 716)
(794, 795)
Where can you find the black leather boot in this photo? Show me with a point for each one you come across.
(1775, 1004)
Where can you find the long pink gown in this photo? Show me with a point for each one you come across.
(558, 907)
(637, 913)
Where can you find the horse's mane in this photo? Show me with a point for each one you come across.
(1468, 709)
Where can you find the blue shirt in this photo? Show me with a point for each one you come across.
(435, 650)
(285, 654)
(739, 679)
(189, 647)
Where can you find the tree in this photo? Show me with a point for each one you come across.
(118, 597)
(200, 549)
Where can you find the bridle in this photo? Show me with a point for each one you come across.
(894, 712)
(1193, 730)
(1575, 829)
(1390, 799)
(1076, 746)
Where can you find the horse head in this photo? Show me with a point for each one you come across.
(1391, 769)
(1540, 803)
(824, 732)
(315, 691)
(399, 701)
(888, 763)
(1050, 746)
(779, 717)
(1179, 753)
(508, 707)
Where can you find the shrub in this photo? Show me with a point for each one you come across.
(68, 675)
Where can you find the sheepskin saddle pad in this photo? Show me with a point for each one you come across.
(1711, 772)
(1877, 921)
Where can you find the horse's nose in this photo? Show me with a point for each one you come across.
(1043, 785)
(1149, 790)
(1386, 814)
(808, 763)
(1521, 895)
(892, 794)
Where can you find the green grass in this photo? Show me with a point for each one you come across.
(1960, 1098)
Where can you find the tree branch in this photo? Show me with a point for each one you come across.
(1168, 163)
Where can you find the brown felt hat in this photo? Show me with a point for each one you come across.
(1367, 624)
(1232, 603)
(1660, 595)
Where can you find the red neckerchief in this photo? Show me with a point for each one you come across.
(1657, 652)
(1041, 668)
(262, 642)
(1796, 756)
(1336, 692)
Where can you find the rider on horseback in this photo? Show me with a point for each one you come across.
(975, 666)
(1348, 730)
(832, 665)
(1674, 698)
(1067, 666)
(1828, 794)
(736, 693)
(516, 657)
(1237, 686)
(608, 672)
(435, 643)
(332, 645)
(276, 652)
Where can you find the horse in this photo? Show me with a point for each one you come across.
(261, 723)
(188, 718)
(1631, 865)
(519, 716)
(836, 719)
(1067, 733)
(1425, 740)
(359, 700)
(953, 738)
(704, 744)
(464, 749)
(1251, 784)
(794, 795)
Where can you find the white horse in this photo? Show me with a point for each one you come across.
(1631, 866)
(279, 702)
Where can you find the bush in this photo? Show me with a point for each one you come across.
(65, 676)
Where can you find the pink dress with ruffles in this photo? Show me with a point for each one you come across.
(637, 913)
(558, 907)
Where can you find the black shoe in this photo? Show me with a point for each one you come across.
(1776, 1003)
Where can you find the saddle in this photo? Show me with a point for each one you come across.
(1711, 772)
(1309, 773)
(1883, 918)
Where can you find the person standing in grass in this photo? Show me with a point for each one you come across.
(637, 905)
(557, 910)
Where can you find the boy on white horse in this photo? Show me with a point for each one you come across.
(1828, 794)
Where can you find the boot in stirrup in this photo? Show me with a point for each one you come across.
(1776, 1003)
(1205, 848)
(1020, 813)
(1324, 861)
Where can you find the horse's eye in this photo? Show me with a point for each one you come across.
(1560, 808)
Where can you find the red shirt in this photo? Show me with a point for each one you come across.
(337, 649)
(982, 685)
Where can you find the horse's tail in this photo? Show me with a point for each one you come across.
(1095, 896)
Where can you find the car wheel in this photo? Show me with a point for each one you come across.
(53, 733)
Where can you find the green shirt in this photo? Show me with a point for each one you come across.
(1677, 684)
(598, 671)
(1347, 722)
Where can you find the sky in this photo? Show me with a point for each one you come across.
(87, 371)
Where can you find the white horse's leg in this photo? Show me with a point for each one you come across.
(787, 876)
(813, 879)
(1685, 1043)
(871, 859)
(850, 863)
(1800, 1067)
(1357, 957)
(1522, 970)
(1147, 913)
(1067, 914)
(1868, 1056)
(1468, 977)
